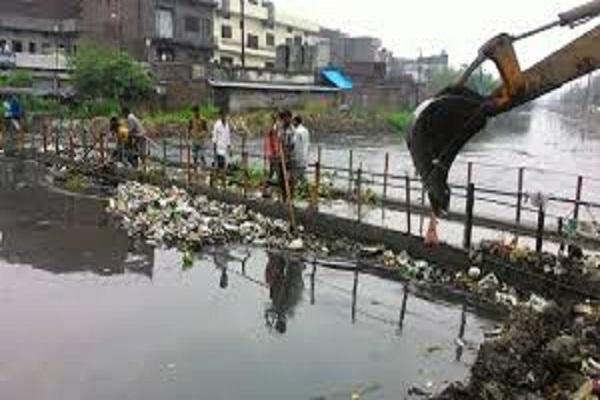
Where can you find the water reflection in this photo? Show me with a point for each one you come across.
(59, 233)
(283, 275)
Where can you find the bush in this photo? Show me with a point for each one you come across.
(400, 120)
(101, 73)
(181, 117)
(17, 79)
(95, 108)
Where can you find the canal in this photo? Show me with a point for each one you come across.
(88, 313)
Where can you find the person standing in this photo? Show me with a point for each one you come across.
(221, 138)
(272, 151)
(13, 112)
(198, 130)
(301, 149)
(137, 137)
(286, 135)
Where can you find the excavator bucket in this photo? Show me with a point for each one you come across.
(442, 127)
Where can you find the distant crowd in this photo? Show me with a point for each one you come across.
(286, 146)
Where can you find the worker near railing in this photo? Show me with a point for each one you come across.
(301, 149)
(198, 131)
(137, 137)
(221, 138)
(286, 135)
(272, 151)
(13, 113)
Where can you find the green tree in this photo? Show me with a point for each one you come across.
(480, 81)
(102, 73)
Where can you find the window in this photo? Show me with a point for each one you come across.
(290, 29)
(164, 24)
(46, 48)
(165, 55)
(289, 41)
(270, 39)
(269, 65)
(17, 46)
(192, 24)
(207, 28)
(227, 61)
(255, 2)
(3, 45)
(252, 41)
(32, 47)
(298, 40)
(226, 32)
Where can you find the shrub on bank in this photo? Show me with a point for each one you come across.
(400, 120)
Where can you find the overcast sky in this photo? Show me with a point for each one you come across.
(457, 26)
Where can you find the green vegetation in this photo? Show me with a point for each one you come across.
(181, 117)
(75, 182)
(103, 74)
(17, 79)
(400, 120)
(482, 82)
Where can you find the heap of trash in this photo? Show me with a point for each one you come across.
(554, 354)
(571, 262)
(173, 218)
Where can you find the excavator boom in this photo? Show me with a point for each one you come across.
(578, 58)
(457, 113)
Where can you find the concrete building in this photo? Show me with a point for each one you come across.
(419, 69)
(39, 26)
(153, 30)
(265, 30)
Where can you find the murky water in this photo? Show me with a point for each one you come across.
(87, 314)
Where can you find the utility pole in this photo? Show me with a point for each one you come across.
(243, 26)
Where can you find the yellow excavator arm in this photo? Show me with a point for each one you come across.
(447, 122)
(576, 59)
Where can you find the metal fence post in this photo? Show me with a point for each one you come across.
(539, 240)
(469, 173)
(561, 224)
(578, 197)
(350, 171)
(386, 170)
(45, 138)
(359, 193)
(520, 194)
(164, 159)
(317, 190)
(408, 205)
(468, 234)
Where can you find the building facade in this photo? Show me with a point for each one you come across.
(39, 26)
(265, 29)
(153, 30)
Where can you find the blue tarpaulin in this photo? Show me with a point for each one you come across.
(337, 78)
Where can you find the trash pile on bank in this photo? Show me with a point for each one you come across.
(550, 355)
(570, 263)
(174, 218)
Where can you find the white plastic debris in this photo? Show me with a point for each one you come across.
(474, 272)
(538, 303)
(296, 245)
(490, 281)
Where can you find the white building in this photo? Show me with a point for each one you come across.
(265, 28)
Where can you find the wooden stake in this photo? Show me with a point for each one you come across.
(288, 193)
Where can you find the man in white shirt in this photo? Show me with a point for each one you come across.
(301, 140)
(221, 138)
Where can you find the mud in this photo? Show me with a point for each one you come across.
(551, 355)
